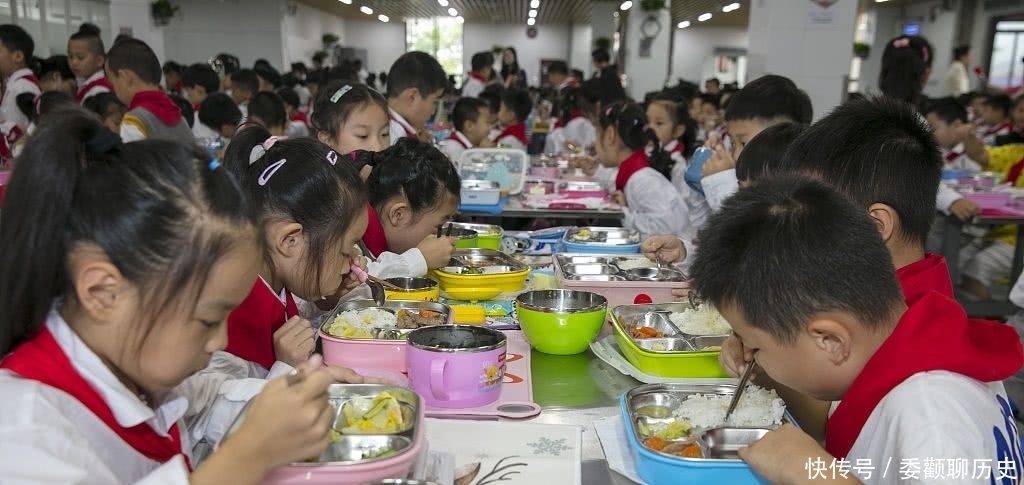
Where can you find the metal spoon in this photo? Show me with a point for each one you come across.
(739, 390)
(695, 299)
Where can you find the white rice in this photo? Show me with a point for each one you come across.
(627, 264)
(758, 408)
(360, 323)
(705, 320)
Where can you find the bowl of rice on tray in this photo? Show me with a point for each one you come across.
(364, 335)
(671, 339)
(677, 432)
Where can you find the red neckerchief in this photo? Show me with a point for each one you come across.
(952, 156)
(42, 359)
(158, 103)
(375, 239)
(478, 76)
(14, 77)
(252, 324)
(995, 130)
(983, 350)
(100, 81)
(518, 131)
(920, 277)
(570, 82)
(461, 139)
(394, 116)
(572, 115)
(300, 116)
(674, 146)
(631, 165)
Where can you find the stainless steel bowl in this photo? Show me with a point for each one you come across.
(352, 449)
(407, 283)
(458, 232)
(654, 274)
(562, 301)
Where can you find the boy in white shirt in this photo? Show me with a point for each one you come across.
(834, 325)
(515, 108)
(16, 48)
(995, 118)
(470, 127)
(415, 82)
(482, 64)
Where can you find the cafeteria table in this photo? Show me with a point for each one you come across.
(951, 251)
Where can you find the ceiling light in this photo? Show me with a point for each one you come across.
(628, 4)
(366, 10)
(453, 12)
(534, 3)
(881, 1)
(684, 24)
(443, 3)
(383, 18)
(459, 19)
(615, 14)
(704, 17)
(731, 7)
(531, 21)
(533, 13)
(346, 2)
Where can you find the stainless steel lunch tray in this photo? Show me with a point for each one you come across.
(392, 306)
(341, 452)
(466, 258)
(607, 236)
(585, 268)
(656, 316)
(580, 185)
(656, 403)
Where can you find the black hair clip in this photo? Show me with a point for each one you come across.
(102, 142)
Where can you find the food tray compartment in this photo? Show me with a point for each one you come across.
(481, 258)
(610, 236)
(506, 166)
(374, 353)
(615, 288)
(654, 404)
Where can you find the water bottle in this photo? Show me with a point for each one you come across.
(693, 172)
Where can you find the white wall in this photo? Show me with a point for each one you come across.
(249, 29)
(384, 42)
(303, 33)
(552, 42)
(580, 45)
(694, 47)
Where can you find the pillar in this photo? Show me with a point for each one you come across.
(648, 35)
(811, 42)
(133, 16)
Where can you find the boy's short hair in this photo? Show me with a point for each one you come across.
(15, 38)
(268, 74)
(558, 67)
(247, 79)
(289, 96)
(762, 153)
(768, 98)
(875, 150)
(171, 66)
(91, 33)
(600, 56)
(706, 98)
(229, 63)
(518, 100)
(467, 109)
(103, 103)
(481, 60)
(59, 64)
(999, 102)
(269, 108)
(417, 70)
(201, 75)
(947, 109)
(135, 55)
(187, 111)
(217, 110)
(492, 95)
(776, 242)
(961, 50)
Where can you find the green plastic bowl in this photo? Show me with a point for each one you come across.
(561, 322)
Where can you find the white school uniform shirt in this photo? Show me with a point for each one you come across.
(472, 88)
(455, 145)
(697, 208)
(988, 134)
(200, 131)
(937, 415)
(94, 90)
(17, 84)
(296, 129)
(957, 159)
(653, 206)
(509, 141)
(392, 265)
(578, 130)
(49, 437)
(718, 187)
(399, 127)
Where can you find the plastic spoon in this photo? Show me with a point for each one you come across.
(739, 390)
(376, 289)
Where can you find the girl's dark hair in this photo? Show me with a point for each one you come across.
(102, 103)
(513, 68)
(574, 100)
(269, 109)
(33, 107)
(56, 64)
(905, 62)
(302, 180)
(661, 160)
(335, 102)
(90, 33)
(413, 169)
(762, 154)
(159, 210)
(629, 122)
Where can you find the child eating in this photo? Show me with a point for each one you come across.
(835, 326)
(469, 118)
(515, 108)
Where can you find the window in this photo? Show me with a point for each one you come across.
(440, 37)
(1006, 68)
